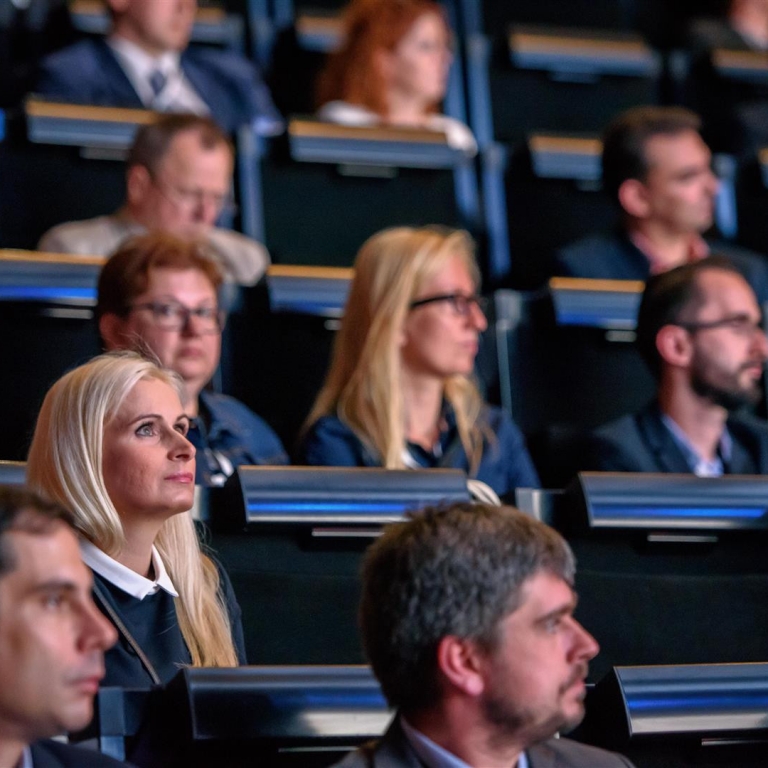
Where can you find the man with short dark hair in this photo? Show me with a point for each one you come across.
(178, 180)
(657, 169)
(52, 636)
(146, 62)
(699, 330)
(467, 620)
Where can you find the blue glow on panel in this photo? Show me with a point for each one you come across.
(750, 513)
(597, 319)
(46, 292)
(330, 700)
(308, 507)
(2, 124)
(701, 702)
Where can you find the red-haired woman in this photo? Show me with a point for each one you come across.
(392, 68)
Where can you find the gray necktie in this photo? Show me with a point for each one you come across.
(157, 80)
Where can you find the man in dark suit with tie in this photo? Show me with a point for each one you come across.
(52, 637)
(699, 330)
(146, 62)
(467, 620)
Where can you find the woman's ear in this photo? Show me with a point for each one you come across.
(112, 331)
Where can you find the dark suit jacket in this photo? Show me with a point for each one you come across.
(394, 751)
(52, 754)
(615, 257)
(641, 443)
(88, 73)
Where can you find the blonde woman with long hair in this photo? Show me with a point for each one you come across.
(110, 445)
(400, 391)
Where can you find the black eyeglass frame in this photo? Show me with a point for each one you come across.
(481, 302)
(219, 315)
(739, 323)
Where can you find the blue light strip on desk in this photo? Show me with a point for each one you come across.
(730, 702)
(625, 511)
(42, 292)
(310, 507)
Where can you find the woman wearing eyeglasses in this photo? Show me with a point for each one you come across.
(160, 294)
(400, 391)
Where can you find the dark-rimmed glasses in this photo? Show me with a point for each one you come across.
(741, 324)
(175, 316)
(461, 303)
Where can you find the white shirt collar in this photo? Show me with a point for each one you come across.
(26, 759)
(435, 756)
(129, 581)
(138, 63)
(178, 95)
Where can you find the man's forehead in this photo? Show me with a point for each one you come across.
(663, 150)
(39, 556)
(186, 149)
(722, 288)
(543, 592)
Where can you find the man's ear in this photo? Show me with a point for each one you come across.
(111, 331)
(461, 664)
(633, 198)
(137, 182)
(673, 344)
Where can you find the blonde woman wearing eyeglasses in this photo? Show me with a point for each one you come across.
(158, 293)
(400, 391)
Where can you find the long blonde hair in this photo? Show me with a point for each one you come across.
(65, 465)
(363, 386)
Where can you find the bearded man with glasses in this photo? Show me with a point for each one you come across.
(160, 295)
(699, 329)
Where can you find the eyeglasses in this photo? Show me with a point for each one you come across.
(189, 198)
(742, 325)
(174, 316)
(461, 303)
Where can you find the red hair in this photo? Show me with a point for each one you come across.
(369, 26)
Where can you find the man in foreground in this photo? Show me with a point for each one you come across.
(52, 637)
(467, 620)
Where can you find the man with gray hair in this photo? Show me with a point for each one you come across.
(467, 620)
(178, 180)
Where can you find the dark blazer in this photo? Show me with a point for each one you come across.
(504, 465)
(615, 257)
(641, 443)
(394, 751)
(53, 754)
(89, 73)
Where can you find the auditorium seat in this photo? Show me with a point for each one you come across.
(291, 539)
(69, 165)
(314, 196)
(671, 567)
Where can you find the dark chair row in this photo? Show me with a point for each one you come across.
(309, 716)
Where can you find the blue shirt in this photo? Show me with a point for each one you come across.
(228, 434)
(699, 466)
(504, 464)
(434, 756)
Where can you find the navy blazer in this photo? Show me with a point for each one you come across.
(89, 73)
(394, 750)
(53, 754)
(615, 257)
(504, 465)
(641, 442)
